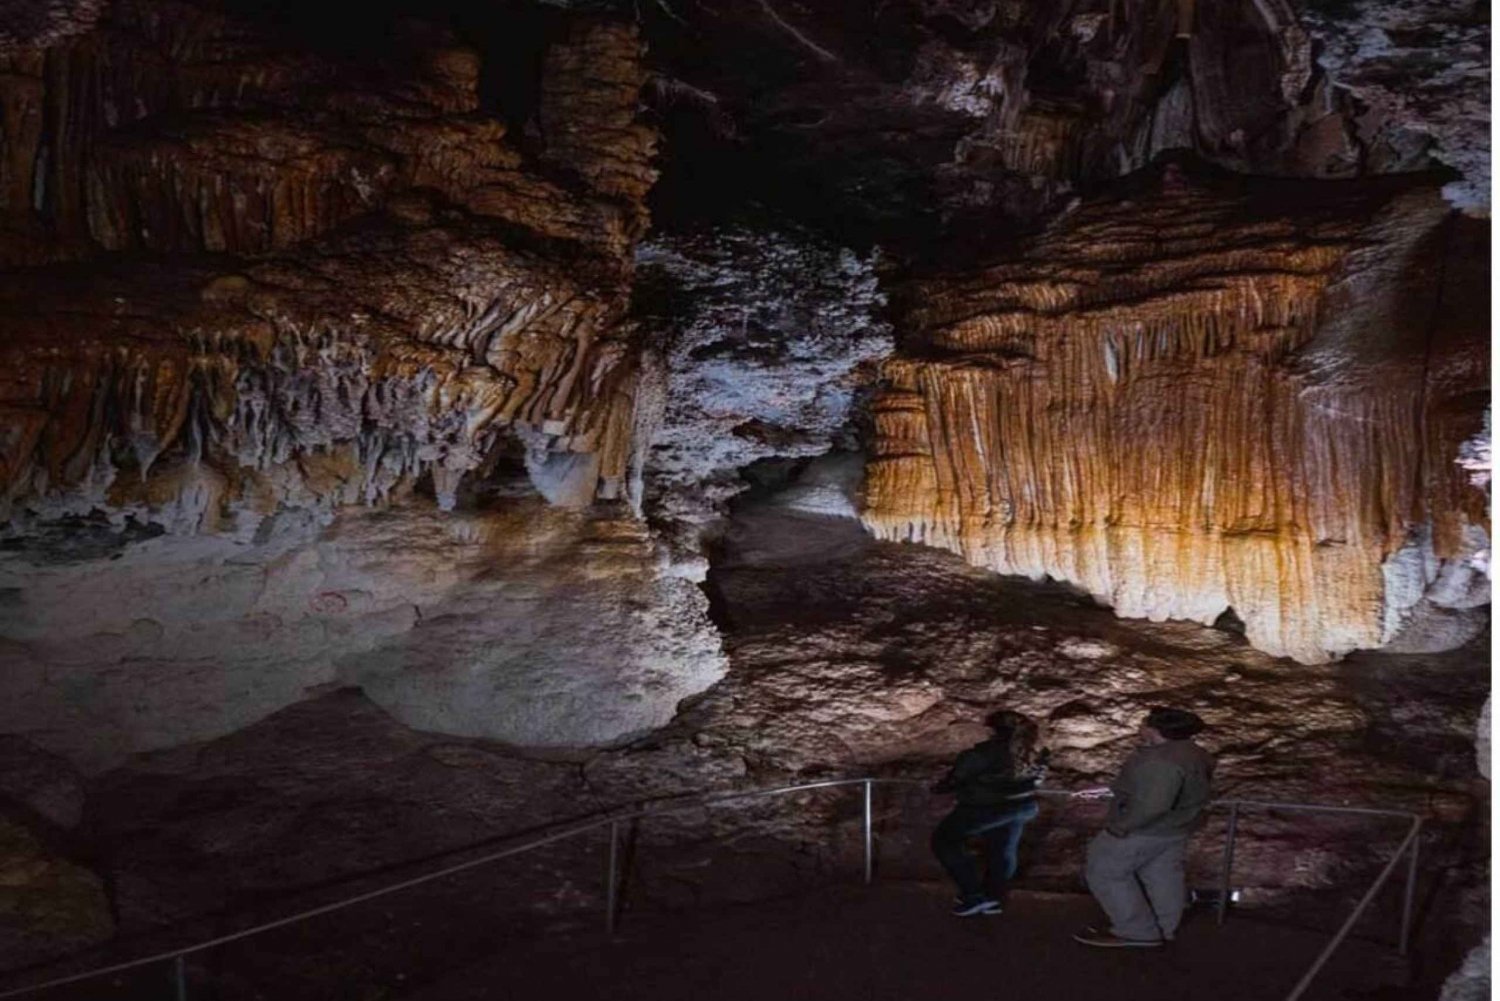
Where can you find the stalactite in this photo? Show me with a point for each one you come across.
(1135, 414)
(368, 283)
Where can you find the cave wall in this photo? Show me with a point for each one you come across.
(1198, 398)
(428, 353)
(524, 624)
(249, 270)
(914, 121)
(272, 289)
(264, 279)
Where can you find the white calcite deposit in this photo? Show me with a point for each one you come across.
(769, 335)
(533, 626)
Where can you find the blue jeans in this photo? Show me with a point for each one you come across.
(1000, 826)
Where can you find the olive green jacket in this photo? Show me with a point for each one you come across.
(1161, 790)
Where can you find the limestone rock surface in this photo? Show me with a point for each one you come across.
(256, 271)
(528, 624)
(766, 338)
(1422, 72)
(851, 657)
(1185, 400)
(926, 119)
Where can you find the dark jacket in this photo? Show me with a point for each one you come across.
(985, 775)
(1161, 790)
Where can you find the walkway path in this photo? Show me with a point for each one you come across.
(896, 942)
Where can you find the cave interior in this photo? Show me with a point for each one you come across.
(426, 428)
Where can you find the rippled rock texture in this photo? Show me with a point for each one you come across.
(332, 274)
(1193, 398)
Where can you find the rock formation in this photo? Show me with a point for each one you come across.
(251, 270)
(847, 656)
(329, 278)
(1187, 401)
(522, 623)
(1420, 75)
(530, 367)
(763, 338)
(909, 119)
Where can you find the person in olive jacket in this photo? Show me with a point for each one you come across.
(994, 803)
(1135, 867)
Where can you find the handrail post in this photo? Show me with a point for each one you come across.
(1229, 834)
(1359, 909)
(1411, 886)
(612, 888)
(179, 977)
(869, 836)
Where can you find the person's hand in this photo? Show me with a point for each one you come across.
(1101, 792)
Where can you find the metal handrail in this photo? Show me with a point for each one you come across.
(612, 819)
(667, 806)
(1409, 843)
(1338, 938)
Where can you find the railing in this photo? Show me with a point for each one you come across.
(1408, 844)
(178, 957)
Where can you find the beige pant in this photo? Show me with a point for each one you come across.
(1119, 869)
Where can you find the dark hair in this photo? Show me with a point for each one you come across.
(1017, 730)
(1005, 721)
(1174, 724)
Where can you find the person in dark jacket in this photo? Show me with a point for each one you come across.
(994, 803)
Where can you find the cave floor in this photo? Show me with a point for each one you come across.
(895, 941)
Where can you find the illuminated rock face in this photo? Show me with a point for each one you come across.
(364, 282)
(275, 302)
(525, 624)
(1190, 401)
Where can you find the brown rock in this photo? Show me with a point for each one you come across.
(1180, 402)
(490, 296)
(48, 905)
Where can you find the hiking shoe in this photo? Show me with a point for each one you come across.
(1109, 940)
(976, 907)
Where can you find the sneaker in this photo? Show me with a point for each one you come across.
(975, 907)
(1109, 940)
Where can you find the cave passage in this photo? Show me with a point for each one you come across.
(424, 429)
